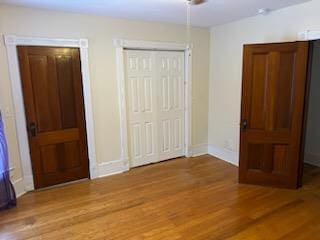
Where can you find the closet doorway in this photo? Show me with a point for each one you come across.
(155, 95)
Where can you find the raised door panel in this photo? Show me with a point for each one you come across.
(178, 134)
(165, 133)
(150, 143)
(284, 91)
(66, 91)
(258, 98)
(177, 92)
(60, 157)
(165, 94)
(147, 94)
(134, 84)
(137, 137)
(268, 157)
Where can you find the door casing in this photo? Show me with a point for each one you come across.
(11, 42)
(121, 45)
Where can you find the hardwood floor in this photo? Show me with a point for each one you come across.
(183, 199)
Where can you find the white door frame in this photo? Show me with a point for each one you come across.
(121, 45)
(11, 42)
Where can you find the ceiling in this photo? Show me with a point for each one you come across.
(213, 12)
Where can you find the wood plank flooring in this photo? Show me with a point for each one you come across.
(183, 199)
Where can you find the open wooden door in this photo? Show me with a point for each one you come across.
(54, 106)
(273, 94)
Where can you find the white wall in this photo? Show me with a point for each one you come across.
(312, 148)
(100, 31)
(226, 67)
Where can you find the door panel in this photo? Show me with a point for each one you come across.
(171, 114)
(66, 89)
(165, 133)
(142, 114)
(53, 96)
(137, 141)
(150, 137)
(178, 134)
(258, 105)
(274, 82)
(155, 105)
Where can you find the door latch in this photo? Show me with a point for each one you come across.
(244, 124)
(33, 129)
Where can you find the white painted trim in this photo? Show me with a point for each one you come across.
(199, 150)
(121, 45)
(19, 188)
(224, 154)
(124, 156)
(112, 168)
(150, 45)
(11, 43)
(188, 101)
(312, 159)
(309, 35)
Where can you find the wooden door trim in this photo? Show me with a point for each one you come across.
(11, 42)
(121, 45)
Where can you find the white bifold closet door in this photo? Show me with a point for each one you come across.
(155, 105)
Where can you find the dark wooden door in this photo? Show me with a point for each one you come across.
(54, 106)
(273, 92)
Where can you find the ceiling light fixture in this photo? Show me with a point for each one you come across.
(196, 2)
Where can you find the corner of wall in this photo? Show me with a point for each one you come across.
(210, 97)
(199, 150)
(224, 154)
(312, 159)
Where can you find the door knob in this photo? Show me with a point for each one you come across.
(33, 129)
(244, 124)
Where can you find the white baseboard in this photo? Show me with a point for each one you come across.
(19, 187)
(112, 168)
(312, 159)
(94, 172)
(199, 150)
(224, 154)
(28, 183)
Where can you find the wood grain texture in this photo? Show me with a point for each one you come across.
(54, 106)
(184, 199)
(273, 95)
